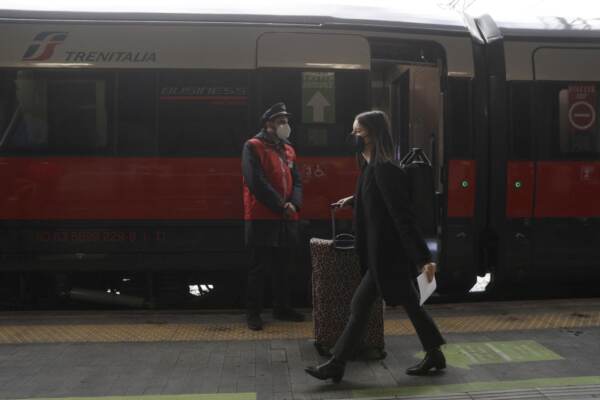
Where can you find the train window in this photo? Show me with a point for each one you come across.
(55, 112)
(578, 126)
(520, 120)
(136, 119)
(202, 112)
(567, 116)
(323, 104)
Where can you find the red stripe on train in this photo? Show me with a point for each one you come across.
(567, 189)
(96, 188)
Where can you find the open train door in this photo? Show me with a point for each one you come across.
(427, 87)
(417, 157)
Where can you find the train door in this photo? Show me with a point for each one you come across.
(566, 228)
(427, 108)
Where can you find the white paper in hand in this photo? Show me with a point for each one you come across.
(426, 288)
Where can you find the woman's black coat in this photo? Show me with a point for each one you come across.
(388, 241)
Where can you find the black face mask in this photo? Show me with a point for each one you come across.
(358, 142)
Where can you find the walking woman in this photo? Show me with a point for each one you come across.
(389, 246)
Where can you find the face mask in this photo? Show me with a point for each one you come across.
(283, 131)
(358, 143)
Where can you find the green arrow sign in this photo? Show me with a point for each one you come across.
(318, 97)
(463, 355)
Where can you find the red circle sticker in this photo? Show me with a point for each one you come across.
(582, 115)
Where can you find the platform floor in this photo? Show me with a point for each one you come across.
(511, 350)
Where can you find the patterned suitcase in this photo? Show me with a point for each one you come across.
(335, 277)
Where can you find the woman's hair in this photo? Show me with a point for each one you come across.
(378, 127)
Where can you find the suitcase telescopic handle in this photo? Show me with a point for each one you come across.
(341, 241)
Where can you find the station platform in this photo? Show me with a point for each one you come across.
(502, 350)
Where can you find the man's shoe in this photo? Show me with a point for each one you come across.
(332, 369)
(433, 359)
(254, 321)
(288, 314)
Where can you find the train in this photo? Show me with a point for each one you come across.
(121, 132)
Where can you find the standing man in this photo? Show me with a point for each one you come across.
(272, 199)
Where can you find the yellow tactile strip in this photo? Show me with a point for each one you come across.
(144, 332)
(492, 323)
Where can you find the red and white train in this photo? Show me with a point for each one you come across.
(121, 132)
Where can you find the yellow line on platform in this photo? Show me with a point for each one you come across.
(166, 332)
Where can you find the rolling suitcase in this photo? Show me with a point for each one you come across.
(335, 277)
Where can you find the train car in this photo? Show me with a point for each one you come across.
(121, 132)
(544, 174)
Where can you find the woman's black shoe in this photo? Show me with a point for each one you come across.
(433, 359)
(332, 369)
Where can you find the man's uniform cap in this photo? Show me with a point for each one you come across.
(276, 110)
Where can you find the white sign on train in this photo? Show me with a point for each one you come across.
(318, 97)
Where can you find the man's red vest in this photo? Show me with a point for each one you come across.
(279, 174)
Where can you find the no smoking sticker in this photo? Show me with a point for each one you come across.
(582, 107)
(582, 115)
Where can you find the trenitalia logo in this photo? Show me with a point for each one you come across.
(110, 56)
(44, 45)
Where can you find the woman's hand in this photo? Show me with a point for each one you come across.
(343, 203)
(429, 269)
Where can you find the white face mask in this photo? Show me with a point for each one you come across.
(283, 131)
